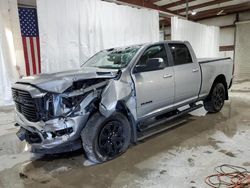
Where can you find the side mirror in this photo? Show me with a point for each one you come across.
(152, 64)
(155, 64)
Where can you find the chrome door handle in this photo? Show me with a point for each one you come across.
(195, 70)
(167, 76)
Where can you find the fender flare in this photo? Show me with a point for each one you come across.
(220, 79)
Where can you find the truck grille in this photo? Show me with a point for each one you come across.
(25, 104)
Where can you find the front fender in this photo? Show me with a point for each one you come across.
(117, 90)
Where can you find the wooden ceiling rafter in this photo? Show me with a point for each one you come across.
(241, 7)
(226, 10)
(146, 4)
(206, 4)
(152, 1)
(174, 4)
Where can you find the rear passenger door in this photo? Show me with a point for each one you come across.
(187, 74)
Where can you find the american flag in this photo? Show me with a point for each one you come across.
(30, 38)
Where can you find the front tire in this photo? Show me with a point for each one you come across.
(104, 139)
(215, 100)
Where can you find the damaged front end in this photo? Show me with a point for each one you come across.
(52, 121)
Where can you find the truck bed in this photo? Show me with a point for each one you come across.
(210, 69)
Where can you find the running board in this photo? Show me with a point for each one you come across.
(149, 132)
(155, 128)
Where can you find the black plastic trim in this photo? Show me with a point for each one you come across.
(208, 61)
(61, 148)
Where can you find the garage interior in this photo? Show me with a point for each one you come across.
(65, 33)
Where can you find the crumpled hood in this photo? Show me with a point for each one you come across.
(59, 82)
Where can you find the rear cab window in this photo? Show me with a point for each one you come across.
(180, 54)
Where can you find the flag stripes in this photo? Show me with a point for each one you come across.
(31, 55)
(30, 39)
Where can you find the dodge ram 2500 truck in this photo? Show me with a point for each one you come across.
(117, 97)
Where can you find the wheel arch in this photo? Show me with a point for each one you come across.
(220, 79)
(122, 108)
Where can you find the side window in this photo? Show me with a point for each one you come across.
(180, 53)
(154, 58)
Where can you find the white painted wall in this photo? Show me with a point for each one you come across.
(219, 21)
(227, 36)
(227, 54)
(244, 16)
(242, 46)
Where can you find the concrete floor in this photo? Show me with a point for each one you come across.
(180, 157)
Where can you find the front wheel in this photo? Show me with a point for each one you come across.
(215, 100)
(104, 139)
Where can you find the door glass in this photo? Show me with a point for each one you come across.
(154, 58)
(180, 53)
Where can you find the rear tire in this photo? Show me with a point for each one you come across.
(104, 138)
(215, 100)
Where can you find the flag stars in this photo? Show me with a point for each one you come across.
(28, 22)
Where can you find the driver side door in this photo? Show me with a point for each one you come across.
(154, 86)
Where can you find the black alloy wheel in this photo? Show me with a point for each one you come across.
(111, 139)
(218, 97)
(104, 139)
(215, 101)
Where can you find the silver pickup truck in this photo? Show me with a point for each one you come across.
(117, 97)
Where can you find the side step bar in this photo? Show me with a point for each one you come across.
(149, 132)
(155, 128)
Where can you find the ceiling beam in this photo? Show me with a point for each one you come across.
(152, 1)
(146, 4)
(210, 3)
(174, 4)
(227, 10)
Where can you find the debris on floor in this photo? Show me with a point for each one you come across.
(229, 176)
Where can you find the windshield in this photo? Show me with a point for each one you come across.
(115, 58)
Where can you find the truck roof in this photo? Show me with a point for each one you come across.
(148, 43)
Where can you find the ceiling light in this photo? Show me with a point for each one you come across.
(193, 13)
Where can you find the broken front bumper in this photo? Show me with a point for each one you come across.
(53, 136)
